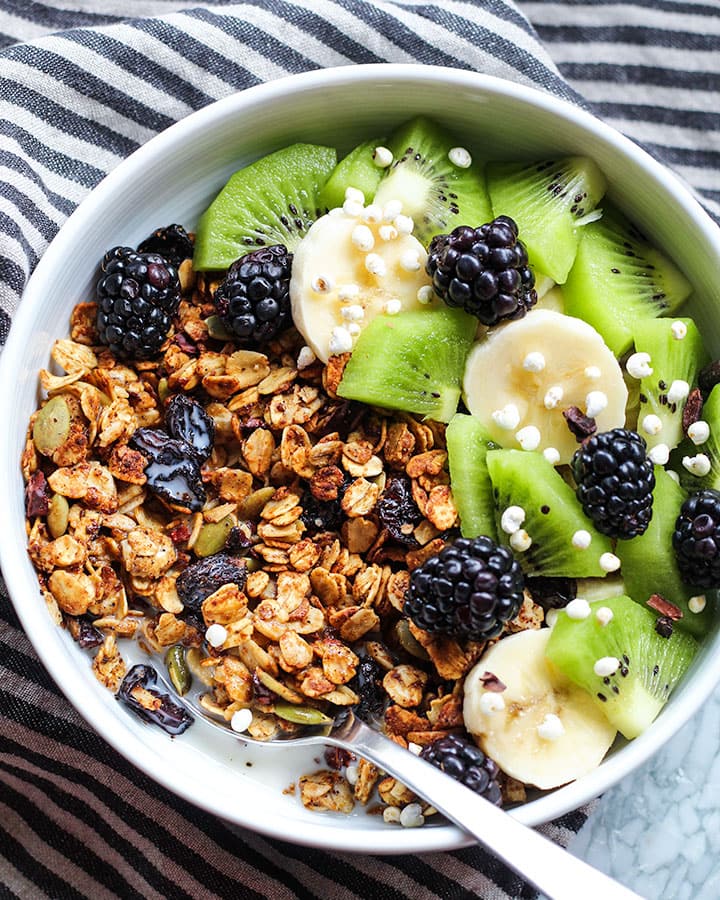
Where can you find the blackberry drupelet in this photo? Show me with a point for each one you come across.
(465, 763)
(615, 482)
(483, 270)
(696, 539)
(172, 243)
(469, 590)
(138, 293)
(254, 299)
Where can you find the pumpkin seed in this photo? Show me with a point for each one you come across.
(252, 505)
(52, 426)
(57, 517)
(178, 669)
(163, 389)
(218, 329)
(408, 642)
(277, 687)
(301, 715)
(212, 536)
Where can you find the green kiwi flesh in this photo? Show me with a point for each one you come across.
(472, 489)
(413, 362)
(711, 449)
(552, 515)
(272, 201)
(356, 170)
(648, 562)
(650, 665)
(618, 280)
(437, 194)
(671, 360)
(547, 199)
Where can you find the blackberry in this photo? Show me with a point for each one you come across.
(696, 539)
(397, 510)
(483, 270)
(138, 293)
(465, 763)
(469, 590)
(173, 243)
(254, 299)
(615, 482)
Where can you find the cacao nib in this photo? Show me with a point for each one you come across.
(336, 757)
(664, 607)
(692, 411)
(580, 425)
(206, 576)
(664, 626)
(36, 496)
(170, 716)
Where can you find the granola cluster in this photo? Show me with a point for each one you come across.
(291, 486)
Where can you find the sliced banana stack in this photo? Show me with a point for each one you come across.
(521, 376)
(353, 264)
(541, 729)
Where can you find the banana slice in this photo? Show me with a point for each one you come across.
(541, 729)
(520, 377)
(353, 264)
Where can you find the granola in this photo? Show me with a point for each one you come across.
(291, 486)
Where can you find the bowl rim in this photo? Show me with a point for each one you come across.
(37, 622)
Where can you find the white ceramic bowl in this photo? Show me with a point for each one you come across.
(171, 179)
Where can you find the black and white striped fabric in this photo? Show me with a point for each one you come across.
(82, 85)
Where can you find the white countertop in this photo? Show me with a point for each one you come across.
(658, 830)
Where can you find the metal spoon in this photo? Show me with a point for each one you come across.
(546, 865)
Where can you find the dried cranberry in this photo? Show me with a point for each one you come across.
(36, 496)
(397, 510)
(203, 578)
(187, 421)
(170, 716)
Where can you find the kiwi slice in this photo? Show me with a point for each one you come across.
(552, 516)
(671, 360)
(467, 447)
(272, 201)
(547, 200)
(710, 448)
(356, 170)
(413, 361)
(648, 562)
(649, 665)
(619, 280)
(438, 194)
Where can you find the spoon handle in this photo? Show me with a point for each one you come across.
(546, 865)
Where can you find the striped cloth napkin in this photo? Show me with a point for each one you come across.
(82, 87)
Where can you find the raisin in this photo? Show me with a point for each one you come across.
(173, 469)
(582, 426)
(397, 510)
(203, 578)
(368, 685)
(320, 515)
(170, 716)
(187, 421)
(551, 592)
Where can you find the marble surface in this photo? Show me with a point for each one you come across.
(658, 830)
